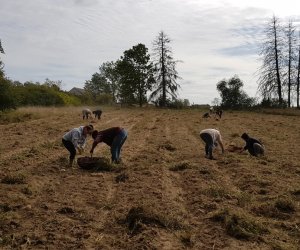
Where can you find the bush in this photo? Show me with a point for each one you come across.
(7, 100)
(69, 99)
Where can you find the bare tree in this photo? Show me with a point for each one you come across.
(165, 65)
(291, 61)
(272, 48)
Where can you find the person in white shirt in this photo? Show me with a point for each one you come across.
(76, 139)
(211, 137)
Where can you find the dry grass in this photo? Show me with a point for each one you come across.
(163, 192)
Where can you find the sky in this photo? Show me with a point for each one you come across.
(67, 40)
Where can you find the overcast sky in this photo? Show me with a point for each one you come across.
(68, 40)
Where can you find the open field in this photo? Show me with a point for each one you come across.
(165, 194)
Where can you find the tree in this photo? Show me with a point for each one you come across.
(291, 55)
(298, 72)
(104, 82)
(136, 74)
(56, 85)
(166, 73)
(272, 48)
(1, 64)
(232, 95)
(97, 85)
(7, 100)
(108, 70)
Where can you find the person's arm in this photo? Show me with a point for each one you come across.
(219, 139)
(244, 148)
(75, 138)
(97, 140)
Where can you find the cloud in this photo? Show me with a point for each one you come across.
(69, 40)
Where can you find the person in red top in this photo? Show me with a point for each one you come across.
(113, 137)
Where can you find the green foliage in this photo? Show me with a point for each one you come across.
(104, 99)
(7, 100)
(31, 94)
(273, 103)
(136, 75)
(69, 100)
(104, 82)
(232, 95)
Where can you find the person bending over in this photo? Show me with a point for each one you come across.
(76, 139)
(113, 137)
(253, 146)
(211, 137)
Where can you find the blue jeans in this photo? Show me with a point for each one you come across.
(117, 144)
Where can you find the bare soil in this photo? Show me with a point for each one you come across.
(164, 195)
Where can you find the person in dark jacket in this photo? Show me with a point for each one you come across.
(97, 113)
(253, 146)
(113, 137)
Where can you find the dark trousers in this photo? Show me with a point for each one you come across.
(207, 138)
(70, 147)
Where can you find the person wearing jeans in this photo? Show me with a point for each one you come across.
(211, 138)
(113, 137)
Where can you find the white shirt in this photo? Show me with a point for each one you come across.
(215, 134)
(76, 137)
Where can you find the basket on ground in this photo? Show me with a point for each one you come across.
(94, 163)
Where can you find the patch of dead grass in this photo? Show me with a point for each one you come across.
(238, 225)
(16, 178)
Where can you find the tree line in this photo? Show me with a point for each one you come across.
(135, 78)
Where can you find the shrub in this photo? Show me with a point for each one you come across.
(7, 100)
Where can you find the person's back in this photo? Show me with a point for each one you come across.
(253, 146)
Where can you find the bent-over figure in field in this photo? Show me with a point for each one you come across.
(113, 137)
(219, 113)
(212, 138)
(76, 139)
(97, 113)
(206, 115)
(253, 146)
(85, 113)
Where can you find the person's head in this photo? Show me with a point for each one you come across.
(245, 136)
(94, 134)
(87, 130)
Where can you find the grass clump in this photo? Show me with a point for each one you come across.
(285, 205)
(139, 216)
(186, 239)
(16, 116)
(281, 208)
(167, 146)
(121, 177)
(14, 179)
(239, 226)
(217, 192)
(180, 166)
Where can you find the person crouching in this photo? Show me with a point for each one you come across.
(76, 139)
(253, 146)
(113, 137)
